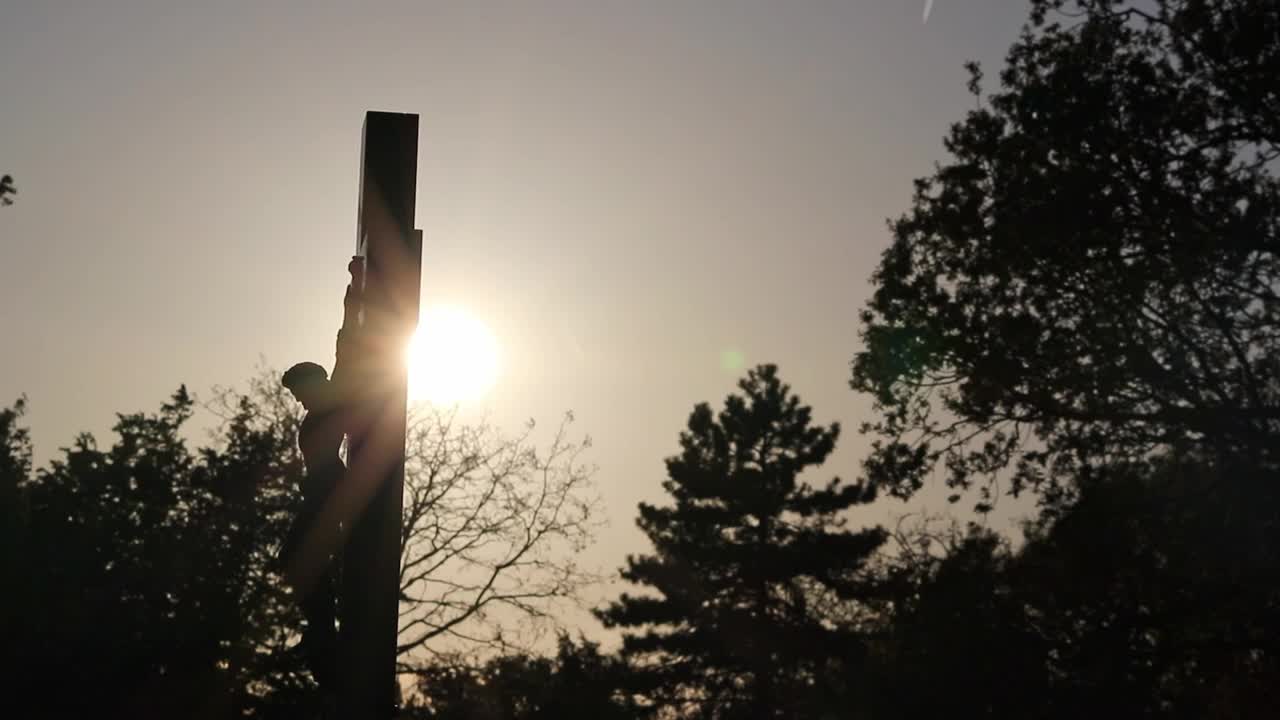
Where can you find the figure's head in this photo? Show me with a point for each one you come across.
(307, 381)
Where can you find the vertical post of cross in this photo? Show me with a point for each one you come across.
(374, 485)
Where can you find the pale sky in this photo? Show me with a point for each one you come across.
(622, 191)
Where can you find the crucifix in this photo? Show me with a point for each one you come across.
(388, 296)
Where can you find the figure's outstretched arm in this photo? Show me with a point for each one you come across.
(351, 301)
(347, 333)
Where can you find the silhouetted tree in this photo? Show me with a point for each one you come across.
(955, 640)
(16, 566)
(1153, 594)
(491, 525)
(254, 471)
(747, 564)
(146, 571)
(132, 568)
(7, 188)
(1094, 273)
(1084, 300)
(1158, 587)
(578, 683)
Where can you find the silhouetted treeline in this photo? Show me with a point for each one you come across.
(1152, 593)
(579, 681)
(137, 575)
(142, 588)
(144, 575)
(1082, 303)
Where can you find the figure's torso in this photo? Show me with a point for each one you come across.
(320, 440)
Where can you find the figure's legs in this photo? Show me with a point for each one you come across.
(318, 602)
(320, 637)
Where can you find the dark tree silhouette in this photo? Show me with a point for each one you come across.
(144, 574)
(1084, 300)
(1159, 586)
(137, 574)
(1152, 595)
(578, 683)
(954, 639)
(15, 565)
(491, 527)
(1094, 273)
(748, 563)
(6, 189)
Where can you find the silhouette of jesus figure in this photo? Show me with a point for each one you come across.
(311, 553)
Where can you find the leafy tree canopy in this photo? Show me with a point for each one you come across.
(1094, 273)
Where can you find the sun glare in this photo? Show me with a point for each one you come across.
(453, 357)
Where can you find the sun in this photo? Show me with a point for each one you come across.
(452, 356)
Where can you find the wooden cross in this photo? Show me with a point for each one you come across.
(374, 485)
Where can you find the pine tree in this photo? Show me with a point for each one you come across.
(751, 567)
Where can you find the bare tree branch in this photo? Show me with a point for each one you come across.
(491, 526)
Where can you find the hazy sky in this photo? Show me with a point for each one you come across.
(622, 191)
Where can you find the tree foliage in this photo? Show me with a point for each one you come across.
(578, 683)
(146, 571)
(1153, 595)
(140, 570)
(1083, 298)
(745, 563)
(490, 529)
(1093, 275)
